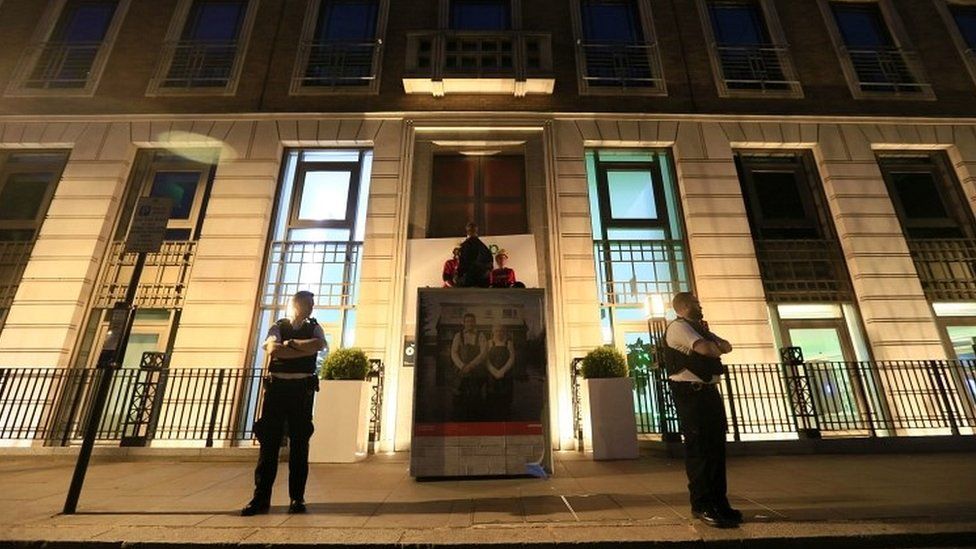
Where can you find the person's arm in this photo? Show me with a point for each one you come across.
(707, 348)
(455, 352)
(722, 344)
(310, 346)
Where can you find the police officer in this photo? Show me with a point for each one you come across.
(293, 344)
(694, 366)
(474, 260)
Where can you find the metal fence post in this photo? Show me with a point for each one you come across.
(574, 369)
(802, 404)
(216, 408)
(946, 402)
(732, 411)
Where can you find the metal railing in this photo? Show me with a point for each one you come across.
(338, 64)
(14, 256)
(59, 65)
(803, 270)
(946, 267)
(328, 269)
(754, 67)
(884, 69)
(629, 271)
(198, 64)
(479, 54)
(827, 399)
(163, 281)
(621, 65)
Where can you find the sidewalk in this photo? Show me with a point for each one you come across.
(788, 501)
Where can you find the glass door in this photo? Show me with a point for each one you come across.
(829, 358)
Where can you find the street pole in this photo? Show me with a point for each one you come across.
(109, 360)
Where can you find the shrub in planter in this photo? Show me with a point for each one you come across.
(604, 362)
(345, 364)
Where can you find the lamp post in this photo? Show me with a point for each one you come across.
(657, 324)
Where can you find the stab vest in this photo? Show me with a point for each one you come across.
(302, 364)
(702, 366)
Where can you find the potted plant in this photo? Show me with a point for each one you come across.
(610, 397)
(341, 414)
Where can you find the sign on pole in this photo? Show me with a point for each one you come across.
(148, 224)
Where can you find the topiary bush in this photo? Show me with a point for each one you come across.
(604, 362)
(349, 363)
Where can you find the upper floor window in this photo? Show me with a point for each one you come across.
(205, 46)
(70, 52)
(960, 18)
(489, 190)
(480, 14)
(927, 199)
(874, 50)
(341, 48)
(748, 49)
(616, 51)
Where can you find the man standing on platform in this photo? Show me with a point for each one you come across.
(293, 344)
(474, 260)
(692, 358)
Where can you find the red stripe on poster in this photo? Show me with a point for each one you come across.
(478, 429)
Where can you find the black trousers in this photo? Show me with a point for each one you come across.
(701, 414)
(287, 404)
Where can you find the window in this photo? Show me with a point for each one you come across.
(780, 198)
(638, 238)
(926, 197)
(960, 18)
(480, 15)
(317, 240)
(342, 46)
(71, 52)
(27, 184)
(205, 47)
(874, 50)
(749, 56)
(616, 51)
(489, 190)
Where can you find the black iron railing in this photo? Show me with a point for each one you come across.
(630, 271)
(338, 64)
(946, 267)
(163, 281)
(200, 64)
(755, 67)
(886, 69)
(14, 255)
(60, 65)
(803, 270)
(620, 65)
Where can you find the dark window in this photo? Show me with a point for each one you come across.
(214, 21)
(22, 196)
(965, 16)
(926, 197)
(207, 51)
(614, 46)
(488, 190)
(180, 187)
(67, 58)
(481, 14)
(27, 182)
(878, 62)
(748, 57)
(781, 198)
(343, 49)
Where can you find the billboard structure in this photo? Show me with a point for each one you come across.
(480, 388)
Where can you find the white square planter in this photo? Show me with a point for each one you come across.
(613, 427)
(341, 419)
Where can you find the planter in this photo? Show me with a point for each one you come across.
(341, 419)
(613, 427)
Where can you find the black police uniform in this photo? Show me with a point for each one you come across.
(474, 263)
(286, 402)
(701, 414)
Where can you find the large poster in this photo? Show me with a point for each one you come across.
(480, 383)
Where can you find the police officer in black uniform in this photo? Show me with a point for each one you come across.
(692, 358)
(293, 344)
(474, 260)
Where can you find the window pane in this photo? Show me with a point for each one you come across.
(453, 176)
(862, 25)
(503, 177)
(738, 23)
(962, 344)
(818, 344)
(480, 15)
(318, 235)
(965, 17)
(631, 195)
(636, 234)
(180, 187)
(346, 21)
(324, 196)
(919, 196)
(214, 20)
(778, 195)
(84, 21)
(505, 219)
(23, 195)
(611, 21)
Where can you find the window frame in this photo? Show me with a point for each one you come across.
(777, 39)
(959, 214)
(312, 10)
(967, 52)
(898, 35)
(646, 20)
(302, 168)
(478, 200)
(42, 36)
(174, 37)
(6, 171)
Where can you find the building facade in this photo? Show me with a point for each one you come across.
(807, 167)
